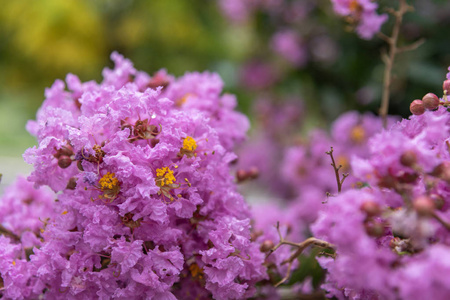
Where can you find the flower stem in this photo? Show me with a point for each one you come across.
(389, 58)
(300, 248)
(339, 181)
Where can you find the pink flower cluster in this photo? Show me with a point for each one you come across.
(304, 175)
(146, 206)
(24, 212)
(362, 14)
(132, 196)
(393, 236)
(300, 175)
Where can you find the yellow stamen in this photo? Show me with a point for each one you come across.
(165, 175)
(64, 212)
(343, 161)
(189, 144)
(182, 100)
(108, 181)
(196, 271)
(14, 262)
(354, 6)
(187, 181)
(357, 134)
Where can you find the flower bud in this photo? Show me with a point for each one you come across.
(424, 205)
(241, 175)
(430, 101)
(438, 201)
(405, 177)
(417, 108)
(289, 228)
(64, 161)
(266, 246)
(256, 234)
(408, 158)
(64, 150)
(371, 208)
(387, 181)
(446, 87)
(154, 142)
(253, 173)
(72, 184)
(374, 228)
(80, 165)
(442, 171)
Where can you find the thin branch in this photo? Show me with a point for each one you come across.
(301, 247)
(9, 233)
(393, 50)
(288, 274)
(336, 170)
(384, 37)
(440, 220)
(412, 46)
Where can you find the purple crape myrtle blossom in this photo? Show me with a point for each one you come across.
(241, 10)
(258, 75)
(305, 175)
(362, 14)
(307, 169)
(235, 10)
(278, 231)
(147, 206)
(398, 227)
(289, 46)
(275, 124)
(24, 208)
(24, 213)
(342, 222)
(202, 92)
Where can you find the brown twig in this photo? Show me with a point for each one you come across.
(8, 233)
(393, 50)
(440, 220)
(336, 170)
(412, 46)
(300, 248)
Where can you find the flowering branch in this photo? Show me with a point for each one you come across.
(336, 170)
(300, 248)
(388, 59)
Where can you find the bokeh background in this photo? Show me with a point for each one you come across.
(280, 51)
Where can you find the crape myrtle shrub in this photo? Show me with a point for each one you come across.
(132, 195)
(146, 206)
(136, 199)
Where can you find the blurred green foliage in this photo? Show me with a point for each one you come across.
(41, 41)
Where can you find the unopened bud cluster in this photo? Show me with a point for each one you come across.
(430, 101)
